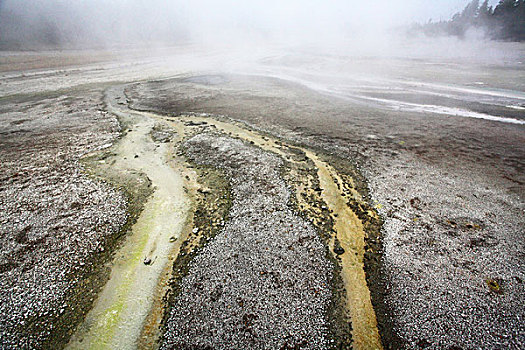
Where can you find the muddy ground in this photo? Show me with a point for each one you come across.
(445, 272)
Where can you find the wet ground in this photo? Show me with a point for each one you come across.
(57, 224)
(436, 148)
(118, 316)
(449, 189)
(262, 282)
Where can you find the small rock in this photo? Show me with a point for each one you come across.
(494, 286)
(339, 250)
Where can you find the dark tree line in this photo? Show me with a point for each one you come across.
(506, 21)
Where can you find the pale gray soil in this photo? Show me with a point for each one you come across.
(263, 281)
(446, 235)
(449, 188)
(54, 220)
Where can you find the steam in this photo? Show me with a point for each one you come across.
(336, 26)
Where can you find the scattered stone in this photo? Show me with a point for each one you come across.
(54, 219)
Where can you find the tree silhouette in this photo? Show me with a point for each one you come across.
(505, 22)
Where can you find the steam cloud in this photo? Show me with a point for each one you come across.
(360, 26)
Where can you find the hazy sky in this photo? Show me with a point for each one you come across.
(439, 9)
(212, 20)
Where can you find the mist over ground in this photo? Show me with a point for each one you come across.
(335, 26)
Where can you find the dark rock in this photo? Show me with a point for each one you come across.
(423, 343)
(339, 250)
(415, 202)
(192, 123)
(494, 286)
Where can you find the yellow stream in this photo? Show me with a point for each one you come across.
(124, 308)
(348, 227)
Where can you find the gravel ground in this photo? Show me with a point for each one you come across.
(262, 282)
(447, 237)
(53, 218)
(449, 189)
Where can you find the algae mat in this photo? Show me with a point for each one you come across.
(118, 317)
